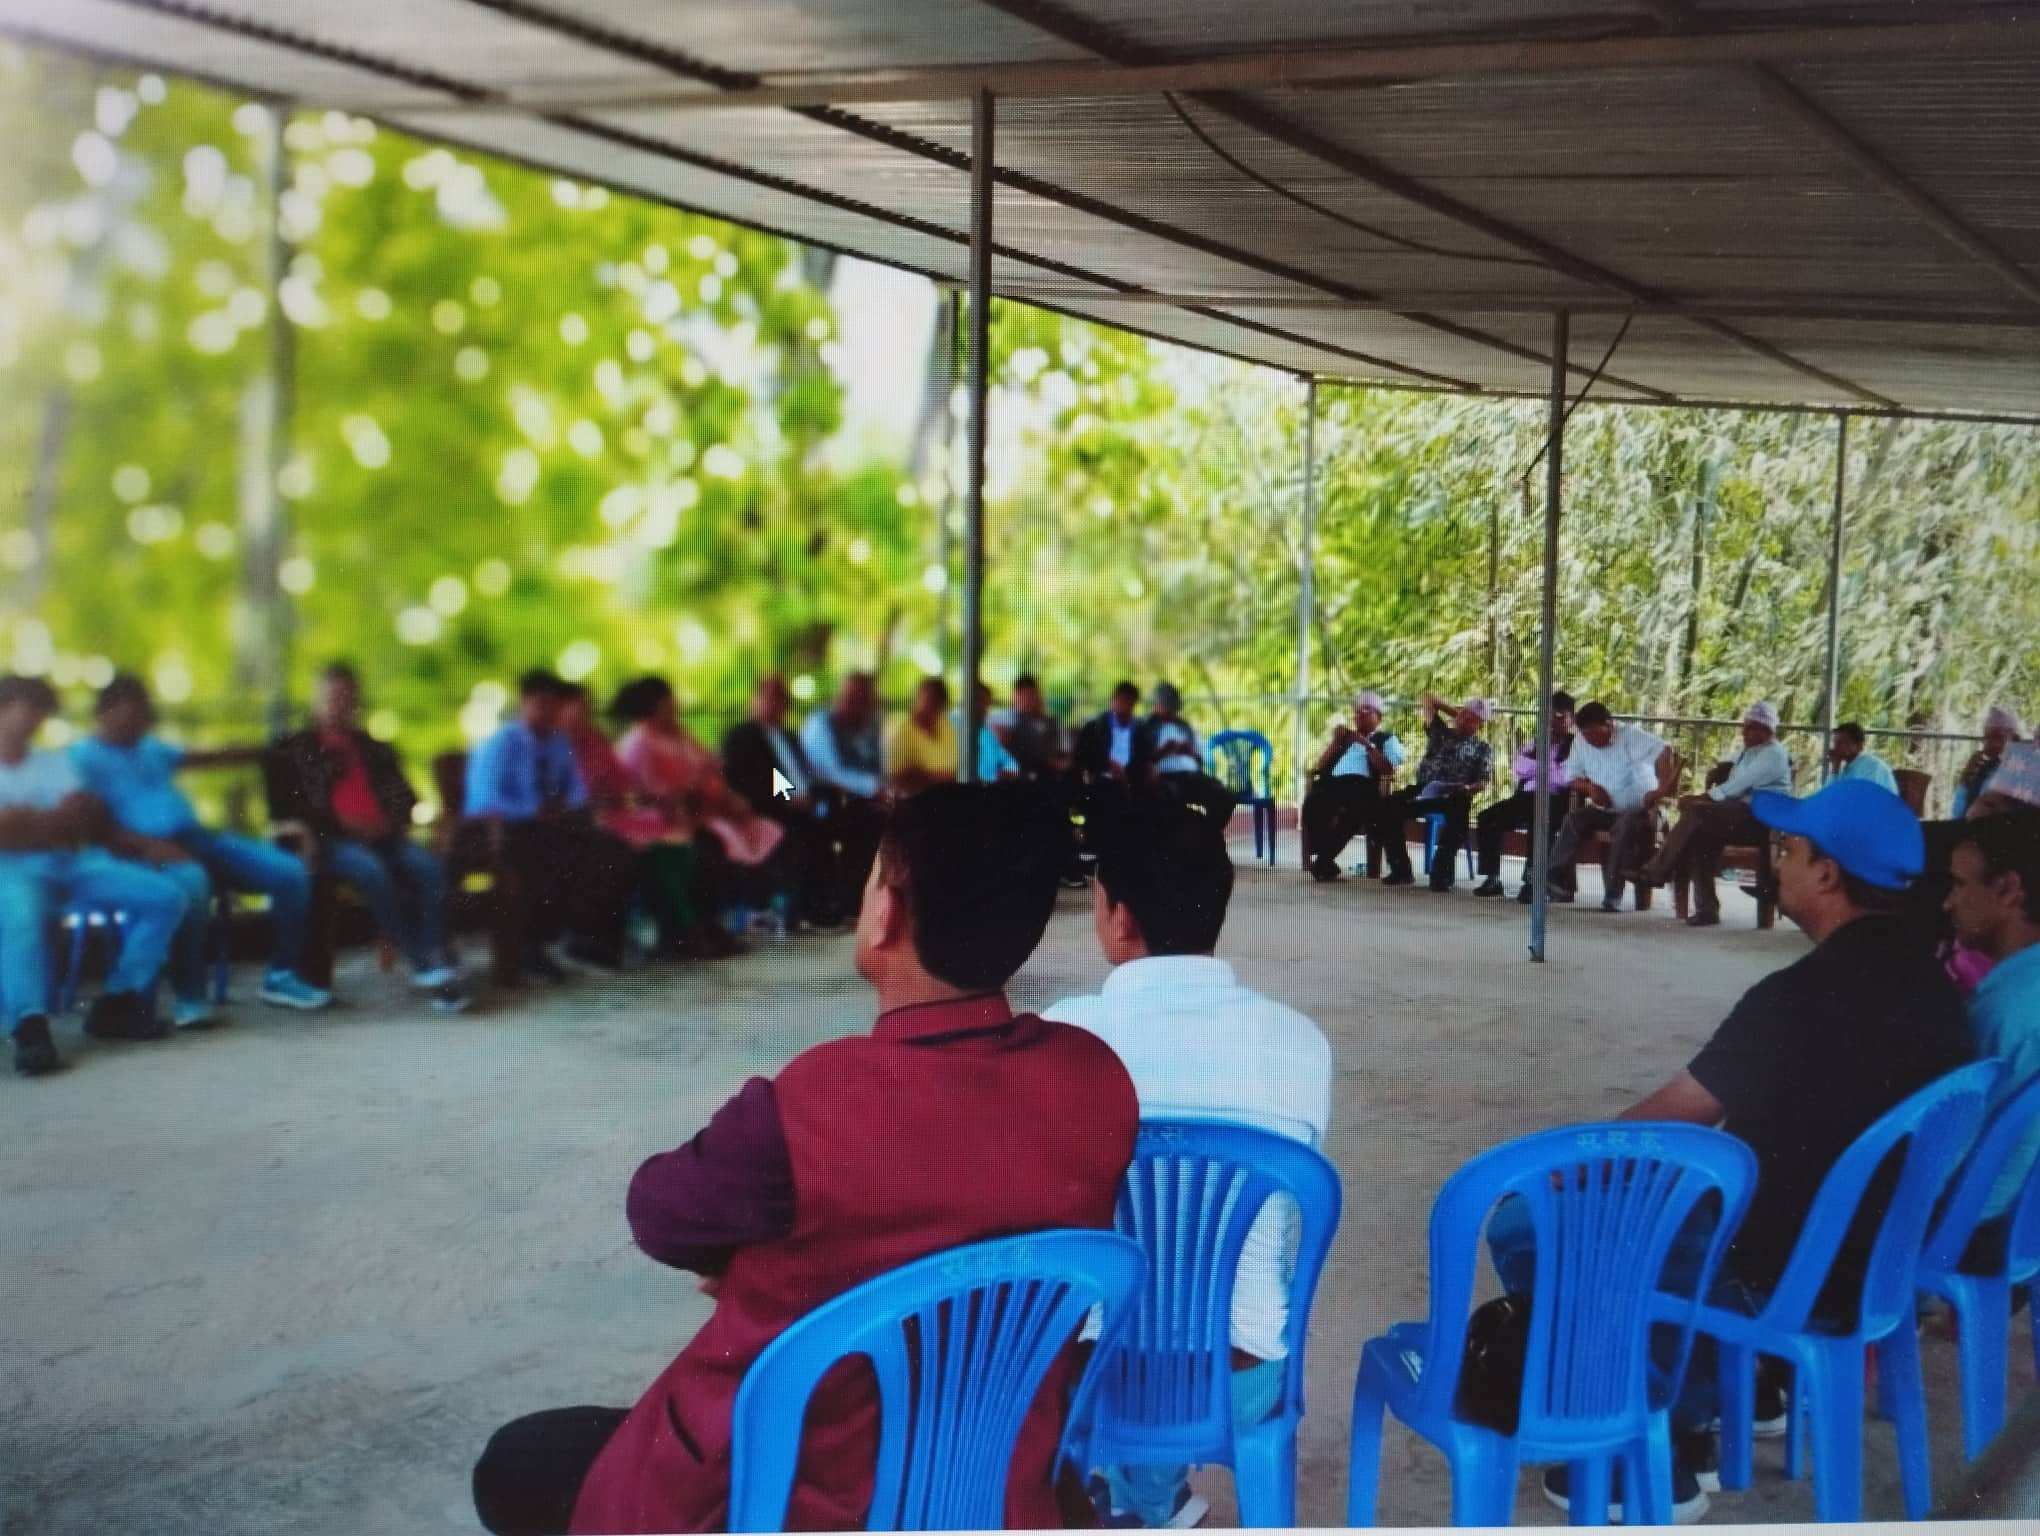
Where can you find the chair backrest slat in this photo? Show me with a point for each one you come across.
(2003, 1137)
(1232, 758)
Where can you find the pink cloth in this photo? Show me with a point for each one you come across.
(1967, 966)
(613, 797)
(673, 769)
(1527, 775)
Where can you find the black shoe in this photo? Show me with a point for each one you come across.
(1492, 886)
(124, 1016)
(1704, 920)
(35, 1054)
(545, 968)
(1773, 1415)
(1689, 1499)
(1526, 894)
(1324, 870)
(1697, 1451)
(1399, 877)
(1442, 887)
(596, 956)
(1560, 898)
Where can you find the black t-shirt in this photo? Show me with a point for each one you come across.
(1809, 1059)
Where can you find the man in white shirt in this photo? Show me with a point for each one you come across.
(1347, 783)
(1198, 1045)
(1709, 823)
(1617, 774)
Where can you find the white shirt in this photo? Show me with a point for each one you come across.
(819, 742)
(1626, 767)
(782, 753)
(1765, 767)
(1172, 733)
(1122, 742)
(39, 782)
(1199, 1046)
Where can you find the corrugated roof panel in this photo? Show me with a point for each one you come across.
(1193, 27)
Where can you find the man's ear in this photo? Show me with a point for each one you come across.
(893, 920)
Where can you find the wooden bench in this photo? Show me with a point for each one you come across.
(471, 847)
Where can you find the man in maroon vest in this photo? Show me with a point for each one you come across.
(954, 1121)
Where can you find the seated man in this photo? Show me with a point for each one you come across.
(954, 1121)
(49, 829)
(1617, 774)
(2001, 728)
(994, 762)
(1346, 784)
(1711, 822)
(753, 752)
(1456, 766)
(1519, 811)
(1808, 1059)
(921, 752)
(1030, 734)
(525, 781)
(1850, 758)
(1112, 746)
(1994, 900)
(1173, 744)
(1200, 1046)
(846, 757)
(348, 793)
(132, 771)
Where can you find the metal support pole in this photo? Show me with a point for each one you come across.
(1554, 483)
(265, 618)
(944, 538)
(980, 364)
(1306, 584)
(1834, 613)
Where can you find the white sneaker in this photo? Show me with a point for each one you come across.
(434, 977)
(192, 1015)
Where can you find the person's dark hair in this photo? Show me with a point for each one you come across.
(340, 672)
(1562, 700)
(2010, 845)
(124, 688)
(1026, 680)
(1852, 730)
(572, 693)
(979, 866)
(1126, 690)
(16, 689)
(940, 688)
(1167, 861)
(639, 699)
(537, 681)
(1863, 896)
(1594, 712)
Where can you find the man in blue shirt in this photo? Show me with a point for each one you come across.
(1994, 900)
(1852, 760)
(525, 781)
(132, 772)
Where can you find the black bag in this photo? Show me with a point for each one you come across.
(1491, 1375)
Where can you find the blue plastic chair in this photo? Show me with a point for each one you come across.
(1190, 1197)
(81, 922)
(1231, 757)
(1983, 1301)
(1934, 1128)
(960, 1343)
(1606, 1203)
(1433, 820)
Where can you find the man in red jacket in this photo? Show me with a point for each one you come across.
(954, 1121)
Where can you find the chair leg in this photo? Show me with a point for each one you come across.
(74, 969)
(1904, 1392)
(1738, 1375)
(1271, 834)
(1587, 1492)
(1983, 1342)
(1264, 1474)
(1833, 1381)
(1682, 896)
(1484, 1481)
(1430, 842)
(1647, 1491)
(1363, 1455)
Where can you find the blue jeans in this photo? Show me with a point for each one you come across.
(239, 864)
(34, 886)
(404, 889)
(1151, 1492)
(1512, 1244)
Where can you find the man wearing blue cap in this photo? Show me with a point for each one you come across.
(1808, 1059)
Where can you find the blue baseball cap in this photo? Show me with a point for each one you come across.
(1863, 827)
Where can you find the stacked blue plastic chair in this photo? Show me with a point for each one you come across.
(1433, 820)
(1983, 1300)
(1932, 1131)
(1189, 1199)
(82, 922)
(1232, 757)
(1605, 1202)
(960, 1342)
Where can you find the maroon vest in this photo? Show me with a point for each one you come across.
(949, 1124)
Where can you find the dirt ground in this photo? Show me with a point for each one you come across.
(287, 1276)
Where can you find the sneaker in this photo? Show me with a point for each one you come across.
(192, 1013)
(1188, 1512)
(1689, 1499)
(1558, 897)
(450, 998)
(1492, 886)
(1611, 903)
(283, 989)
(433, 977)
(1442, 887)
(124, 1016)
(1399, 877)
(35, 1054)
(1704, 920)
(1773, 1411)
(1324, 871)
(1698, 1452)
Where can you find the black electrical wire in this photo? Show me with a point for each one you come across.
(1420, 247)
(1593, 378)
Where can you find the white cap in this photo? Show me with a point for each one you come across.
(1369, 699)
(2000, 718)
(1485, 708)
(1763, 713)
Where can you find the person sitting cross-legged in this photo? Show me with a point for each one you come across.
(1456, 766)
(54, 853)
(1805, 1063)
(1851, 758)
(1617, 774)
(954, 1121)
(133, 772)
(1199, 1046)
(1346, 784)
(1709, 823)
(1519, 811)
(347, 793)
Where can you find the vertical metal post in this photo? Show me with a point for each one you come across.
(944, 538)
(1306, 584)
(980, 364)
(1554, 483)
(1834, 613)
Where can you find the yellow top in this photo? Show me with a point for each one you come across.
(910, 748)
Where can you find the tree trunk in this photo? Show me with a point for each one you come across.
(44, 484)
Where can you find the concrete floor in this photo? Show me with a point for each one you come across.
(287, 1276)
